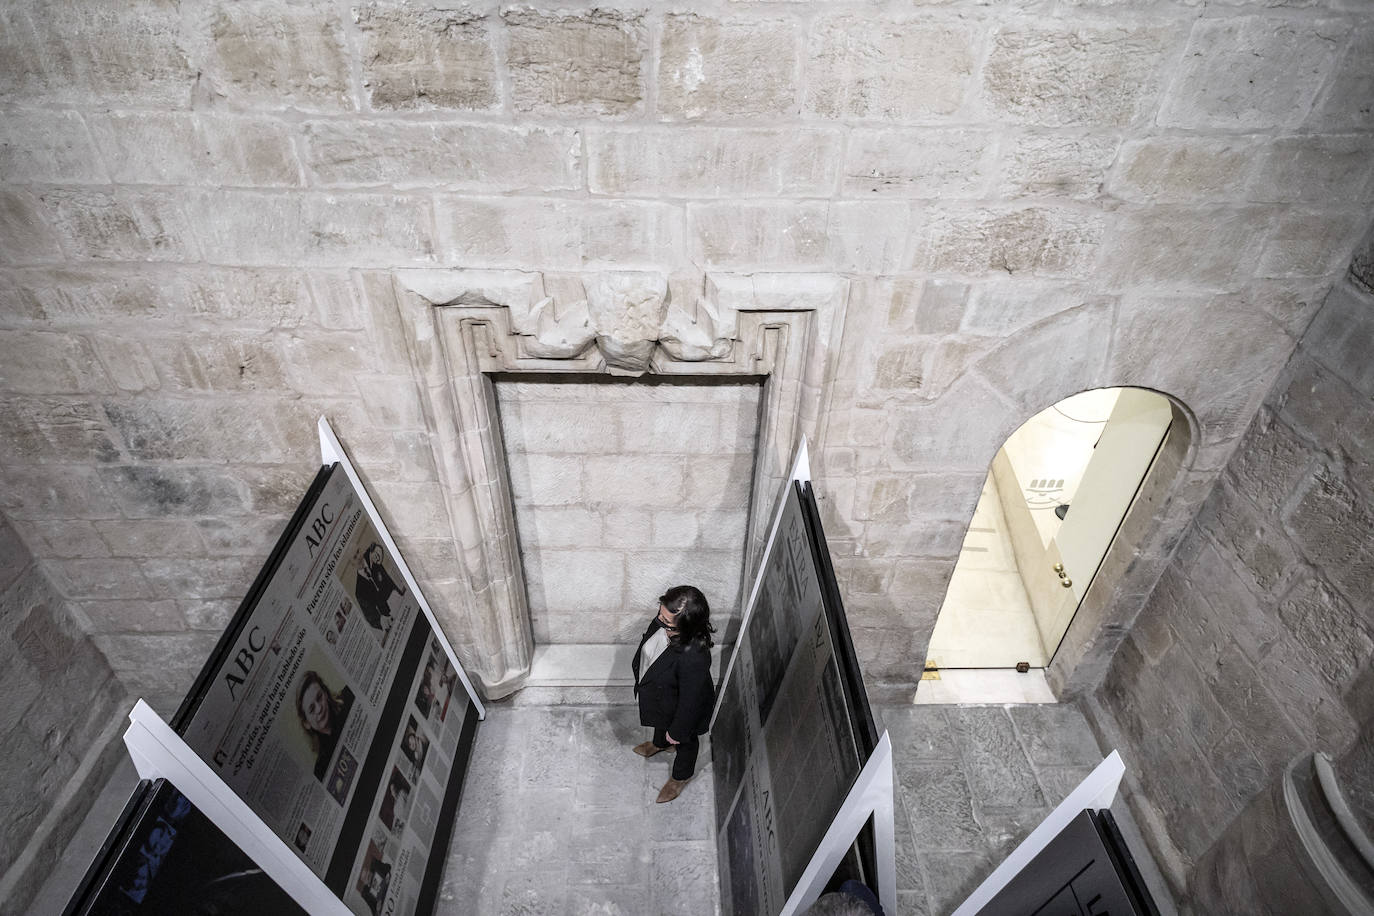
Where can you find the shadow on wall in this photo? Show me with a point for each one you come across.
(62, 718)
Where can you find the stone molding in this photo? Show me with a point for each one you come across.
(463, 326)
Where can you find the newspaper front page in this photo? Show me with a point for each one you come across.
(330, 713)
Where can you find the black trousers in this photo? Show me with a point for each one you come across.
(685, 762)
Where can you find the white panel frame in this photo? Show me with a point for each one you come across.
(1097, 790)
(332, 450)
(871, 795)
(159, 752)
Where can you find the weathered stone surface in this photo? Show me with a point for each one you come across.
(74, 52)
(1361, 271)
(274, 56)
(179, 148)
(1055, 735)
(1271, 463)
(543, 427)
(419, 58)
(250, 536)
(1053, 165)
(576, 62)
(1184, 247)
(1329, 523)
(1041, 241)
(1345, 103)
(774, 234)
(998, 307)
(1340, 334)
(546, 480)
(74, 538)
(199, 577)
(151, 491)
(1083, 76)
(218, 430)
(1321, 620)
(171, 537)
(353, 230)
(246, 298)
(36, 362)
(50, 147)
(868, 236)
(123, 225)
(1310, 243)
(850, 73)
(938, 798)
(1185, 168)
(571, 581)
(1325, 409)
(1267, 560)
(1316, 169)
(556, 233)
(1291, 303)
(25, 235)
(916, 441)
(221, 362)
(468, 156)
(142, 616)
(918, 163)
(635, 481)
(999, 774)
(38, 493)
(101, 578)
(1053, 359)
(712, 162)
(1251, 72)
(712, 68)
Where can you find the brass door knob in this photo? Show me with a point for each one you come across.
(1059, 568)
(1066, 582)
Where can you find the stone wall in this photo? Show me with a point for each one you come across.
(623, 489)
(62, 714)
(1257, 644)
(205, 206)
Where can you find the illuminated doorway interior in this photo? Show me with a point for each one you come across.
(1054, 498)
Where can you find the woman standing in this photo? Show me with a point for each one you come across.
(673, 682)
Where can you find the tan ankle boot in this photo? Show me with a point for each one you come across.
(671, 790)
(648, 749)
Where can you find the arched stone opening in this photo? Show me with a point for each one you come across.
(1134, 553)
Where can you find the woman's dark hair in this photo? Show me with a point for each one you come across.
(693, 615)
(336, 706)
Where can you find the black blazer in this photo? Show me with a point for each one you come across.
(676, 692)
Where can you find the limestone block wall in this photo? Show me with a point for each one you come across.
(1258, 643)
(63, 707)
(200, 202)
(622, 490)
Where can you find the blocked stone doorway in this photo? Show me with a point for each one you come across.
(622, 488)
(1054, 501)
(467, 330)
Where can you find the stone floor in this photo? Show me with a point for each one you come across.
(558, 815)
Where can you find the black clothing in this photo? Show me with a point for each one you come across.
(373, 590)
(685, 761)
(676, 695)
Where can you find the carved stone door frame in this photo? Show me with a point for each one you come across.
(462, 326)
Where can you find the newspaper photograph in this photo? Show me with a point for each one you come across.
(388, 873)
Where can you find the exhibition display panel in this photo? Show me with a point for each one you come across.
(793, 733)
(329, 732)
